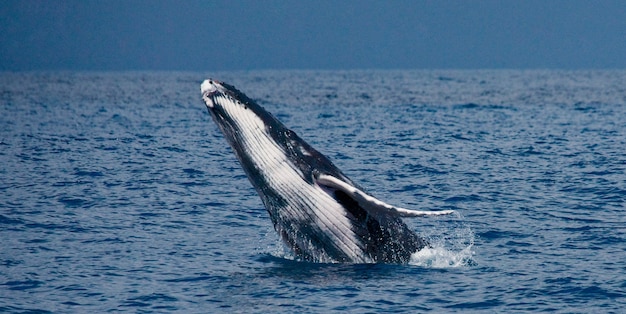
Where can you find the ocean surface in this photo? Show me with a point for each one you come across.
(119, 193)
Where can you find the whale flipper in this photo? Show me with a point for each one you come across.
(371, 204)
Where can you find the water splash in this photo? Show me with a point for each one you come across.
(455, 249)
(450, 246)
(439, 257)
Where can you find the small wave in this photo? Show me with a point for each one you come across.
(280, 250)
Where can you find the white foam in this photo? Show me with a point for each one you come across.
(439, 257)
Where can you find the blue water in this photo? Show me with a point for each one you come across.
(118, 192)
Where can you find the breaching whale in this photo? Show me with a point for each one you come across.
(318, 212)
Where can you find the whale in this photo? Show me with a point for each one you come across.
(318, 212)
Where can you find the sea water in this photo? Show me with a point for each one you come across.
(118, 192)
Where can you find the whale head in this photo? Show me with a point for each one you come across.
(248, 127)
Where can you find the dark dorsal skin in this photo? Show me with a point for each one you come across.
(320, 223)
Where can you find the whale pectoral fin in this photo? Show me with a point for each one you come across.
(371, 204)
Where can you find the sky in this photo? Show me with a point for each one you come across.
(112, 35)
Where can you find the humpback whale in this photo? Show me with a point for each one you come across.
(319, 213)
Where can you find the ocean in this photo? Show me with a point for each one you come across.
(119, 193)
